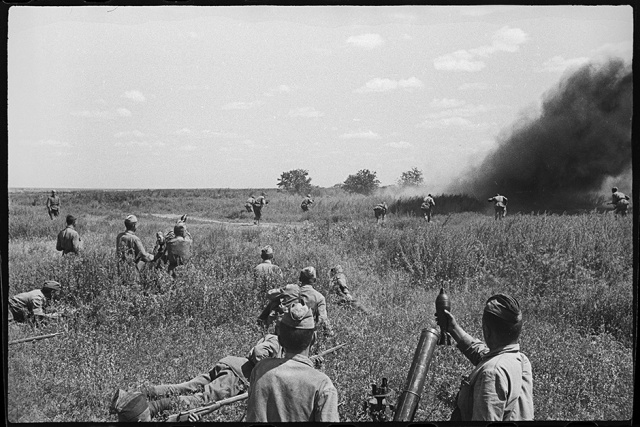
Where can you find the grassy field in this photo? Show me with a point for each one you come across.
(572, 275)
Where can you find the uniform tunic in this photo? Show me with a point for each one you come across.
(500, 388)
(69, 241)
(267, 268)
(291, 390)
(26, 304)
(128, 245)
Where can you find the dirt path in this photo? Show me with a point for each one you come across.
(235, 224)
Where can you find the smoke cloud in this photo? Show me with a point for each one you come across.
(579, 141)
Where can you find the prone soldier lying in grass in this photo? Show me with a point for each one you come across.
(31, 305)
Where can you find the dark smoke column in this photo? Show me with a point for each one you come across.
(581, 137)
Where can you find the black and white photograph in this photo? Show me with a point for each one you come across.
(257, 213)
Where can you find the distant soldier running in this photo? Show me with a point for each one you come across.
(68, 239)
(426, 206)
(249, 204)
(306, 203)
(31, 305)
(500, 206)
(380, 210)
(53, 205)
(258, 204)
(129, 247)
(338, 282)
(620, 201)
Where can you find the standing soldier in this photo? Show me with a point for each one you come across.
(620, 201)
(338, 282)
(53, 205)
(500, 206)
(290, 389)
(258, 204)
(380, 210)
(426, 206)
(249, 204)
(31, 305)
(68, 239)
(129, 247)
(500, 387)
(306, 203)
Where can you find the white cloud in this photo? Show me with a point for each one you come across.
(305, 112)
(446, 122)
(623, 50)
(134, 95)
(360, 135)
(123, 112)
(241, 105)
(559, 64)
(220, 134)
(139, 144)
(468, 110)
(54, 143)
(474, 85)
(130, 134)
(399, 144)
(446, 103)
(383, 85)
(366, 41)
(504, 40)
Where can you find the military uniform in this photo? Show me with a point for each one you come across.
(69, 241)
(380, 211)
(306, 203)
(249, 204)
(129, 248)
(426, 206)
(288, 294)
(258, 204)
(620, 201)
(338, 283)
(53, 205)
(26, 305)
(500, 205)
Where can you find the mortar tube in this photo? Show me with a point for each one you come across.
(408, 402)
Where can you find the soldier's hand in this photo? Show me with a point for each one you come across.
(194, 418)
(318, 361)
(448, 319)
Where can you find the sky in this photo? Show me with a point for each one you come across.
(233, 96)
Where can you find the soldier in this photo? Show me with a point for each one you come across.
(30, 305)
(53, 205)
(306, 203)
(129, 247)
(68, 239)
(338, 282)
(500, 387)
(290, 389)
(258, 204)
(500, 206)
(249, 205)
(178, 247)
(620, 201)
(380, 210)
(281, 298)
(267, 272)
(426, 206)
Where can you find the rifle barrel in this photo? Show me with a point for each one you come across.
(39, 337)
(327, 351)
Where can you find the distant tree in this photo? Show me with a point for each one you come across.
(364, 182)
(295, 181)
(412, 178)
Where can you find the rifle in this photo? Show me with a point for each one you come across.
(203, 410)
(39, 337)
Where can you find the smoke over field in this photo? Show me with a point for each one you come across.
(579, 141)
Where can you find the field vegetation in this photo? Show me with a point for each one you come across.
(571, 273)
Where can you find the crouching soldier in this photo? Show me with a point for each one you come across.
(31, 305)
(178, 247)
(380, 211)
(338, 282)
(620, 201)
(289, 389)
(229, 377)
(306, 203)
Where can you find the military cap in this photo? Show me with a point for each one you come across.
(614, 189)
(267, 250)
(298, 316)
(130, 219)
(180, 227)
(504, 307)
(70, 219)
(51, 285)
(53, 191)
(130, 407)
(308, 275)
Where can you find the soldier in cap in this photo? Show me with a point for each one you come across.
(53, 204)
(267, 273)
(260, 202)
(620, 201)
(249, 204)
(282, 298)
(426, 206)
(380, 211)
(178, 247)
(500, 387)
(500, 205)
(68, 239)
(129, 247)
(31, 305)
(338, 282)
(289, 389)
(306, 203)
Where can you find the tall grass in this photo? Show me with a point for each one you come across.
(571, 274)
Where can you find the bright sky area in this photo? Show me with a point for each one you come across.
(231, 97)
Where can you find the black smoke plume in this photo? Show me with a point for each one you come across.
(580, 140)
